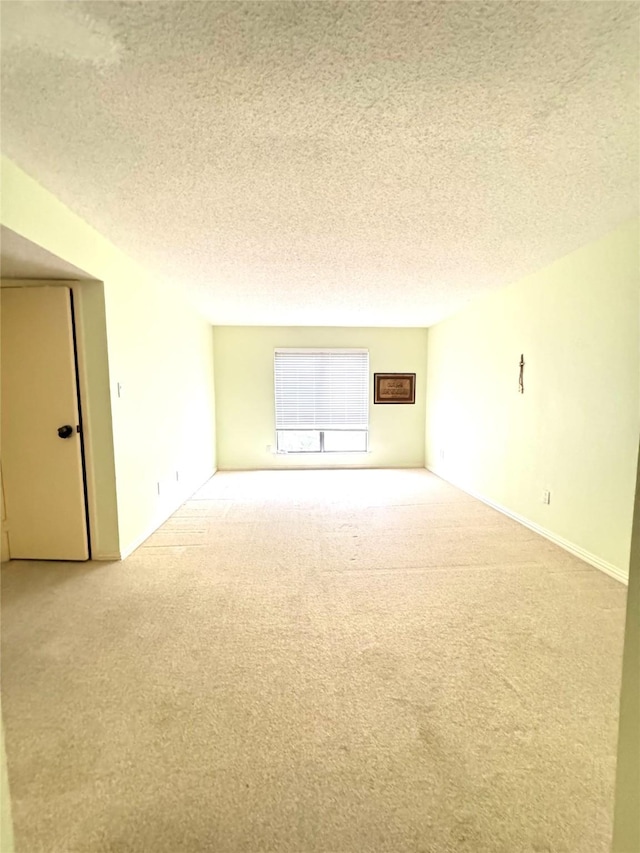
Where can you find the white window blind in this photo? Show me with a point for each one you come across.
(322, 389)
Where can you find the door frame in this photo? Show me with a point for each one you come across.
(101, 507)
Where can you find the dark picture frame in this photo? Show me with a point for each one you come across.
(394, 388)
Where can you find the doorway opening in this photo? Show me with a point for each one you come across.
(24, 265)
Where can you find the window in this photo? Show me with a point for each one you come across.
(322, 400)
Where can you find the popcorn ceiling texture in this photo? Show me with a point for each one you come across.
(330, 163)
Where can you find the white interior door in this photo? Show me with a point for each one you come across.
(42, 469)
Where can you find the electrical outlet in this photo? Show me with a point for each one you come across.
(269, 448)
(442, 453)
(177, 476)
(546, 497)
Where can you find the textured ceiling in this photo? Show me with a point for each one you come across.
(330, 163)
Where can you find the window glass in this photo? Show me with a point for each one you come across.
(345, 440)
(321, 400)
(299, 441)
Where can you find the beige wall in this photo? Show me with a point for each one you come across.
(161, 358)
(626, 832)
(574, 431)
(245, 395)
(160, 363)
(91, 334)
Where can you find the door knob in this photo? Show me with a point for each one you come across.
(65, 431)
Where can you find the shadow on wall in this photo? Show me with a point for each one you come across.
(626, 834)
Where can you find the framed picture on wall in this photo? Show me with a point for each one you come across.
(394, 388)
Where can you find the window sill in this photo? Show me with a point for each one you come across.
(320, 453)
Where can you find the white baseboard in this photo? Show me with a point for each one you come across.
(157, 522)
(133, 546)
(572, 548)
(334, 467)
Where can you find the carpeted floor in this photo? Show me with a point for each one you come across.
(335, 661)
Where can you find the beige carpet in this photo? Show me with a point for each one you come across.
(336, 661)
